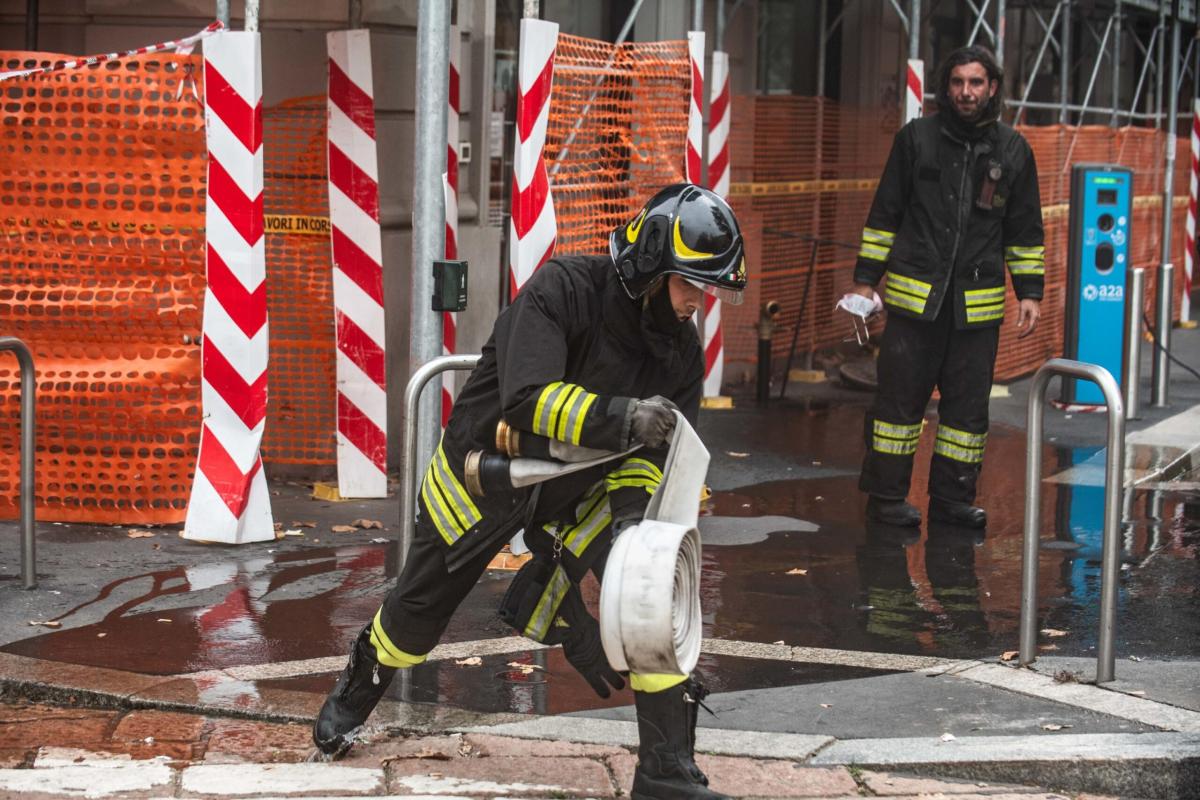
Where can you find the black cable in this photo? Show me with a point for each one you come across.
(1154, 338)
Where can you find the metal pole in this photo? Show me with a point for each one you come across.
(1037, 64)
(1161, 378)
(1160, 67)
(252, 16)
(1064, 74)
(28, 482)
(1001, 24)
(429, 213)
(914, 28)
(697, 15)
(31, 24)
(355, 14)
(223, 12)
(822, 23)
(1131, 367)
(1087, 97)
(1116, 63)
(408, 470)
(1114, 476)
(719, 42)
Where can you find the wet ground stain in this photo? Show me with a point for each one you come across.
(832, 581)
(542, 682)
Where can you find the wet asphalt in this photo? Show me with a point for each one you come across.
(788, 557)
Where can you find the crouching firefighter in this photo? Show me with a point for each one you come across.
(595, 352)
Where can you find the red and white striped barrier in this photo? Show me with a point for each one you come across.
(450, 186)
(1189, 251)
(914, 95)
(718, 179)
(357, 268)
(185, 43)
(534, 229)
(230, 502)
(693, 168)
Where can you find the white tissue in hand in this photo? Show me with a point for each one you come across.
(860, 306)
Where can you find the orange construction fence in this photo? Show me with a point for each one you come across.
(805, 166)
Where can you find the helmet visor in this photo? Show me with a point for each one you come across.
(722, 293)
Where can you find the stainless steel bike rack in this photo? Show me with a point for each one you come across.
(1114, 477)
(409, 472)
(28, 392)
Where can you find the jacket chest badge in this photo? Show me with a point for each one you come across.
(988, 199)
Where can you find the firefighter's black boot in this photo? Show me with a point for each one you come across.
(963, 515)
(666, 745)
(354, 697)
(893, 512)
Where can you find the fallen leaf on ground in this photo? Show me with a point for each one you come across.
(304, 524)
(779, 642)
(1053, 726)
(1009, 655)
(101, 635)
(139, 534)
(1135, 658)
(162, 619)
(368, 524)
(736, 455)
(293, 532)
(948, 737)
(379, 540)
(526, 668)
(1047, 647)
(429, 752)
(826, 705)
(278, 526)
(796, 571)
(473, 661)
(47, 623)
(343, 528)
(1053, 633)
(1138, 693)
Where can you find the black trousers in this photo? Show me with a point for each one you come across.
(914, 357)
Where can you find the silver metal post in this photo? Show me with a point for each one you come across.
(1064, 75)
(355, 14)
(252, 16)
(28, 485)
(914, 28)
(223, 12)
(429, 213)
(719, 42)
(410, 469)
(1001, 24)
(697, 15)
(1114, 476)
(1131, 359)
(1116, 63)
(1160, 67)
(822, 45)
(1161, 376)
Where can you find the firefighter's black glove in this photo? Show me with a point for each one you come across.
(652, 422)
(581, 645)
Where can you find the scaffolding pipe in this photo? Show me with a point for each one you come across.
(429, 214)
(1001, 24)
(31, 24)
(821, 45)
(1064, 73)
(1116, 64)
(1037, 64)
(1160, 67)
(1137, 92)
(914, 27)
(252, 16)
(1095, 70)
(223, 13)
(980, 13)
(1046, 105)
(355, 14)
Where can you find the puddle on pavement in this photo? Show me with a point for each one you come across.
(542, 682)
(932, 591)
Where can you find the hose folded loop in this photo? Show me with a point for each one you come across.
(650, 596)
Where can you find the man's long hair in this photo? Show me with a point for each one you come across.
(967, 55)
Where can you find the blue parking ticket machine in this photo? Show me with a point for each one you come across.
(1097, 260)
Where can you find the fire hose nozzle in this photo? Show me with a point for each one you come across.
(508, 439)
(486, 472)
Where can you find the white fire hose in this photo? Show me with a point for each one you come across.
(650, 596)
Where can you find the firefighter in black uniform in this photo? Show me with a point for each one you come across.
(595, 352)
(958, 201)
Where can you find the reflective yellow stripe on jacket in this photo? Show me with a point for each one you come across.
(560, 411)
(1026, 260)
(592, 516)
(876, 244)
(984, 305)
(635, 472)
(907, 293)
(449, 506)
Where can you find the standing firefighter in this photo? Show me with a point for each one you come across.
(958, 201)
(568, 365)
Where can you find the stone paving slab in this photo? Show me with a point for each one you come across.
(502, 775)
(294, 780)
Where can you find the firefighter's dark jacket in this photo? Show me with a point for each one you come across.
(948, 215)
(565, 360)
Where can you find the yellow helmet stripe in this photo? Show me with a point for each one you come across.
(634, 228)
(683, 251)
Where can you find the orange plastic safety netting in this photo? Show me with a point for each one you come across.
(617, 133)
(102, 207)
(301, 380)
(807, 167)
